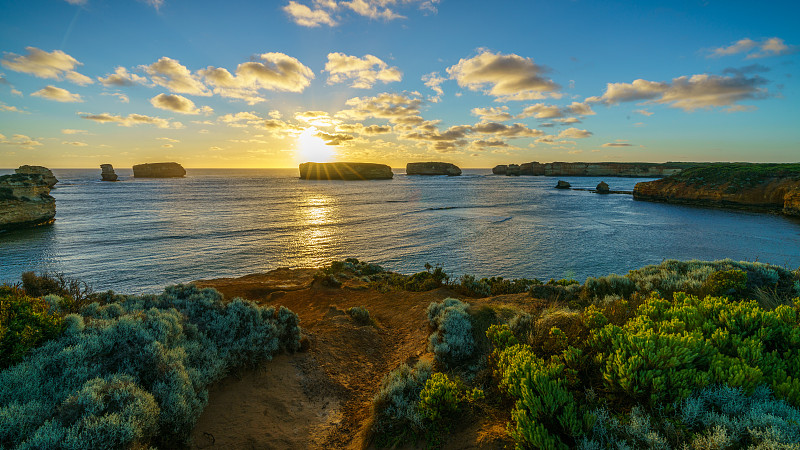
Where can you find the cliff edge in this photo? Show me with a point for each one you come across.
(159, 170)
(25, 201)
(47, 174)
(345, 171)
(737, 185)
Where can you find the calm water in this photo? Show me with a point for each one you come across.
(139, 235)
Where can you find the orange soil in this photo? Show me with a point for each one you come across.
(322, 397)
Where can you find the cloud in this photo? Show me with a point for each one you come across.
(643, 112)
(773, 46)
(131, 120)
(174, 76)
(507, 77)
(747, 70)
(75, 143)
(616, 144)
(179, 104)
(397, 108)
(333, 139)
(543, 111)
(566, 120)
(9, 108)
(363, 72)
(122, 97)
(629, 92)
(499, 114)
(277, 72)
(499, 129)
(20, 140)
(317, 118)
(574, 133)
(433, 80)
(157, 4)
(72, 131)
(57, 94)
(307, 17)
(77, 2)
(374, 9)
(121, 77)
(42, 64)
(168, 139)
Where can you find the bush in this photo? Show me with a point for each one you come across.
(725, 282)
(114, 362)
(486, 287)
(451, 340)
(75, 292)
(25, 323)
(360, 315)
(397, 417)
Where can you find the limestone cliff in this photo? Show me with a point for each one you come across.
(159, 170)
(108, 173)
(47, 174)
(345, 171)
(25, 201)
(753, 186)
(601, 169)
(432, 168)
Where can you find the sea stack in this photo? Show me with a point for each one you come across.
(159, 170)
(345, 171)
(432, 168)
(563, 185)
(513, 170)
(602, 188)
(500, 169)
(25, 201)
(108, 172)
(47, 174)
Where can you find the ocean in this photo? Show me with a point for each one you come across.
(139, 235)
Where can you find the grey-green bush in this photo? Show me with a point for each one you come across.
(451, 340)
(396, 414)
(135, 372)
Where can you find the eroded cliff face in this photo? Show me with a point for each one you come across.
(25, 201)
(159, 170)
(772, 194)
(432, 168)
(601, 169)
(47, 174)
(345, 171)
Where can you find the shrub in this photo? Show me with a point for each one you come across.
(486, 287)
(440, 401)
(75, 292)
(113, 363)
(396, 413)
(25, 323)
(451, 340)
(360, 315)
(725, 282)
(426, 281)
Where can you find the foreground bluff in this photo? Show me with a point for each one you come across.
(25, 201)
(769, 187)
(47, 174)
(345, 171)
(432, 168)
(159, 170)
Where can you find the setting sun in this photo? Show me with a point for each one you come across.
(311, 147)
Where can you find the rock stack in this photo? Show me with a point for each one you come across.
(563, 185)
(345, 171)
(432, 168)
(108, 172)
(46, 174)
(159, 170)
(25, 201)
(602, 188)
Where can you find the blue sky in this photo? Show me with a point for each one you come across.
(271, 84)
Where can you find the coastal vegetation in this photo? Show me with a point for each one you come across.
(682, 354)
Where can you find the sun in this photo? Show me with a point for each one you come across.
(311, 148)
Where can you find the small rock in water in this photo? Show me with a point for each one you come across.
(563, 185)
(108, 172)
(602, 188)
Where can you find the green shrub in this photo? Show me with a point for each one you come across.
(451, 340)
(360, 315)
(75, 293)
(396, 415)
(725, 282)
(25, 323)
(671, 348)
(426, 281)
(486, 287)
(102, 372)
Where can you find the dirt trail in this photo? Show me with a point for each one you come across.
(322, 397)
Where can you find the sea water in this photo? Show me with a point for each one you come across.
(139, 235)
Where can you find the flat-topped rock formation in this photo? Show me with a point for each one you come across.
(345, 171)
(432, 168)
(159, 170)
(602, 188)
(25, 201)
(583, 169)
(47, 174)
(774, 187)
(108, 172)
(563, 184)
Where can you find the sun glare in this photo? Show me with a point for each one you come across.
(311, 148)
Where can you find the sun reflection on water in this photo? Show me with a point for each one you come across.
(318, 236)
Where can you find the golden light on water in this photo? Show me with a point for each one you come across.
(318, 237)
(311, 148)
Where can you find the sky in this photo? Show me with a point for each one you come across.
(242, 84)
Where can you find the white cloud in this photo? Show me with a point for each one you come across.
(72, 131)
(120, 96)
(541, 111)
(178, 103)
(773, 46)
(643, 112)
(131, 120)
(174, 76)
(307, 17)
(42, 64)
(75, 143)
(499, 114)
(705, 91)
(617, 144)
(434, 81)
(574, 133)
(507, 77)
(511, 131)
(398, 108)
(742, 45)
(9, 108)
(121, 77)
(374, 9)
(364, 72)
(277, 72)
(57, 94)
(629, 92)
(77, 2)
(20, 140)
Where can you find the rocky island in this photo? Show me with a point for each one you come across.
(108, 173)
(159, 170)
(25, 201)
(345, 171)
(432, 168)
(767, 187)
(44, 172)
(585, 169)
